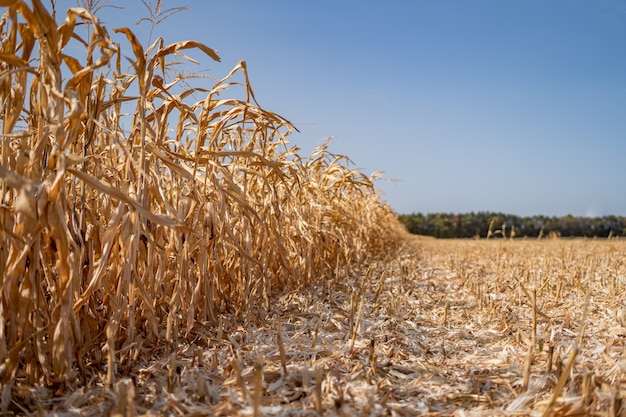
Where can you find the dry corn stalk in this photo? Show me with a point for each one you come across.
(197, 209)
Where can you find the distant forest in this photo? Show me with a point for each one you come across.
(486, 224)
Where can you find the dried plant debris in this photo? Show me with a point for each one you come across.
(445, 328)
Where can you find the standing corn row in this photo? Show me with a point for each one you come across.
(121, 235)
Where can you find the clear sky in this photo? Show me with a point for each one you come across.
(517, 106)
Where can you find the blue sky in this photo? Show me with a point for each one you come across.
(516, 106)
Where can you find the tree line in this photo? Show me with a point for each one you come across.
(487, 225)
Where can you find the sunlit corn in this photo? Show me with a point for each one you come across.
(124, 231)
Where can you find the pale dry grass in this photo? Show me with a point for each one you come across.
(124, 236)
(539, 324)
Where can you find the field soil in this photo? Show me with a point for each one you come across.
(438, 328)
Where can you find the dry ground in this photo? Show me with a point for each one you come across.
(444, 327)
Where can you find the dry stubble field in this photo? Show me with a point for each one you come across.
(445, 327)
(442, 327)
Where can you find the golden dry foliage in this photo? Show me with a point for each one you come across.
(117, 241)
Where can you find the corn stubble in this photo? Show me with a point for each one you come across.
(116, 241)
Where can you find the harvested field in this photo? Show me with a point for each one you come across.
(451, 327)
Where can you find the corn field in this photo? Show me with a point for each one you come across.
(138, 210)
